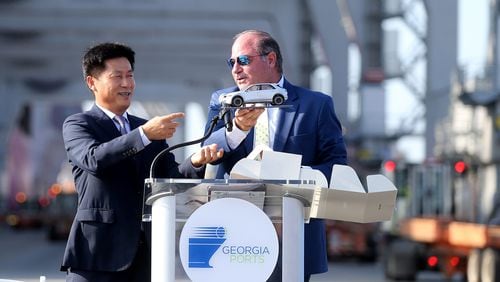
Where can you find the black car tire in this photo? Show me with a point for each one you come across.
(237, 101)
(278, 99)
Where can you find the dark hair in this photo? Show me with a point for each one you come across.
(96, 56)
(266, 45)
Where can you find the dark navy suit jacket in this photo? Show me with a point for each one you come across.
(109, 171)
(307, 126)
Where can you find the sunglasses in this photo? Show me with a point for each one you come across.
(242, 60)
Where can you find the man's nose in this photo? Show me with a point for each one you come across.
(127, 82)
(236, 68)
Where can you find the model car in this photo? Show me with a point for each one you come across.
(256, 93)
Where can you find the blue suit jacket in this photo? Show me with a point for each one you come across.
(308, 127)
(109, 171)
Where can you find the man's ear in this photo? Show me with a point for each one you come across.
(272, 59)
(90, 80)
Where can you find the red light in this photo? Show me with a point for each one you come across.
(460, 167)
(21, 197)
(55, 190)
(43, 202)
(390, 166)
(454, 261)
(432, 261)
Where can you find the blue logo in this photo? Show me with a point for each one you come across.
(203, 244)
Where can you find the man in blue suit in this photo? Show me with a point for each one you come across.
(111, 153)
(307, 125)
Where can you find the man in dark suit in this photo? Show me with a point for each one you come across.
(111, 152)
(307, 125)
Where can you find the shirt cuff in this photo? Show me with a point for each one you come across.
(235, 137)
(144, 138)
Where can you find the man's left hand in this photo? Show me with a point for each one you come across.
(206, 154)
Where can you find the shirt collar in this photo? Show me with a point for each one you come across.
(110, 114)
(281, 81)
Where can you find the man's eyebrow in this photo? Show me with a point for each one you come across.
(119, 71)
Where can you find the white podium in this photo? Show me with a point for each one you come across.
(174, 200)
(290, 202)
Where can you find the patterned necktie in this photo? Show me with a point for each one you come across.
(122, 121)
(262, 130)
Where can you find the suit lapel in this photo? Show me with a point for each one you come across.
(286, 118)
(133, 122)
(105, 122)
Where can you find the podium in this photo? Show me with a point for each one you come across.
(174, 200)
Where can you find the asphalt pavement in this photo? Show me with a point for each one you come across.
(26, 255)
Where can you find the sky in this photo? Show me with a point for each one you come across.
(472, 46)
(473, 27)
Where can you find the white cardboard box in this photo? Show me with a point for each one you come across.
(345, 199)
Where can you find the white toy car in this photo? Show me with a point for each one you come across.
(256, 93)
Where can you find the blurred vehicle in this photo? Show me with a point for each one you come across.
(26, 215)
(439, 228)
(352, 240)
(256, 93)
(59, 215)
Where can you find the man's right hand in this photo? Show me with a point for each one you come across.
(162, 127)
(245, 119)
